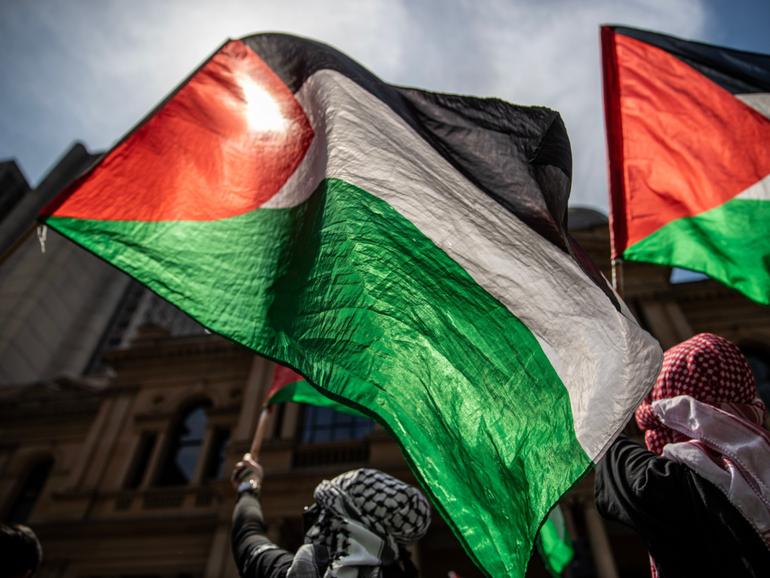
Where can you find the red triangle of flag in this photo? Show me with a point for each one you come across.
(221, 146)
(680, 144)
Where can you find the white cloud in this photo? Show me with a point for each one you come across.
(90, 73)
(549, 54)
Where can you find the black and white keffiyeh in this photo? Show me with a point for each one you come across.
(364, 515)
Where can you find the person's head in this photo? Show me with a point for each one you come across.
(708, 368)
(20, 551)
(356, 503)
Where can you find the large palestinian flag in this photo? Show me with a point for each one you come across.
(688, 127)
(405, 252)
(554, 543)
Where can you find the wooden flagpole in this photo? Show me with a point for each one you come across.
(259, 434)
(617, 276)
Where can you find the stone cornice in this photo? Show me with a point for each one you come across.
(168, 347)
(61, 398)
(164, 416)
(150, 523)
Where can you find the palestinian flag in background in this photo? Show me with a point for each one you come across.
(288, 386)
(406, 252)
(688, 128)
(554, 543)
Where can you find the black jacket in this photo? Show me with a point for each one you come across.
(255, 555)
(689, 526)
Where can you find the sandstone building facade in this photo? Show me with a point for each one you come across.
(121, 418)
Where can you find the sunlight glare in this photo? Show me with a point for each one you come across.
(263, 113)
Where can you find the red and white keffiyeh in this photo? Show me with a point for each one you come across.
(704, 412)
(708, 368)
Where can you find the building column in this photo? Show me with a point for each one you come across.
(291, 415)
(92, 441)
(104, 451)
(153, 466)
(216, 566)
(254, 389)
(666, 320)
(416, 554)
(600, 543)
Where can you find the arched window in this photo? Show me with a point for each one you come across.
(30, 491)
(185, 445)
(322, 424)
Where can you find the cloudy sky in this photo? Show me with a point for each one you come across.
(89, 69)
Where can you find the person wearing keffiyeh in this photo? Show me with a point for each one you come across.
(699, 495)
(358, 527)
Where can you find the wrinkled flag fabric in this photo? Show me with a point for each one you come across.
(555, 544)
(688, 127)
(404, 251)
(553, 540)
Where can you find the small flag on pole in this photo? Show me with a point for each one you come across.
(688, 127)
(554, 543)
(290, 387)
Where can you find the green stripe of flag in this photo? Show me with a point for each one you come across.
(352, 293)
(729, 243)
(554, 543)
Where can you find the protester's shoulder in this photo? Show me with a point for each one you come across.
(632, 469)
(630, 456)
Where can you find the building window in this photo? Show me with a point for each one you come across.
(216, 459)
(25, 501)
(322, 424)
(141, 460)
(682, 276)
(185, 444)
(759, 361)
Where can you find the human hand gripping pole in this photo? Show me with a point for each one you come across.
(247, 474)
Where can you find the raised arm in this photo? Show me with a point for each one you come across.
(256, 556)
